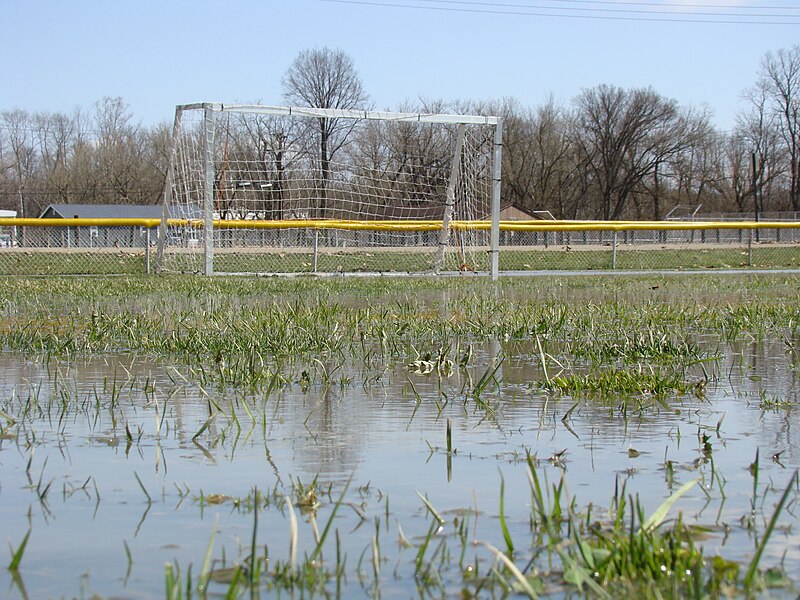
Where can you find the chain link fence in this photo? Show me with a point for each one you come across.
(587, 246)
(130, 247)
(77, 246)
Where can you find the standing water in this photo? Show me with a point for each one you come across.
(331, 438)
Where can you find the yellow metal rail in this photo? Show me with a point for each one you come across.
(408, 225)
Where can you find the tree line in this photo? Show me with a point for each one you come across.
(609, 153)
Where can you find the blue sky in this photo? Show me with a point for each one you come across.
(159, 53)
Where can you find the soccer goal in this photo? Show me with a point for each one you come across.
(279, 190)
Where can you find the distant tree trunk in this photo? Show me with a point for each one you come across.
(656, 193)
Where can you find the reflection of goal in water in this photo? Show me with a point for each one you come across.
(249, 180)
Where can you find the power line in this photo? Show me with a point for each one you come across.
(597, 6)
(683, 7)
(462, 8)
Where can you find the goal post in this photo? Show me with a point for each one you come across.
(274, 190)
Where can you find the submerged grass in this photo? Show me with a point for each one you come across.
(636, 338)
(612, 384)
(243, 332)
(572, 552)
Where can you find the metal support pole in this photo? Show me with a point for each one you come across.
(614, 250)
(750, 249)
(316, 248)
(147, 250)
(494, 262)
(209, 123)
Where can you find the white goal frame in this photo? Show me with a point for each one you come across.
(203, 219)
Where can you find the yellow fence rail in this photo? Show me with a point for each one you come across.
(409, 225)
(100, 246)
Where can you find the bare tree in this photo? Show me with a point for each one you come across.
(70, 158)
(699, 169)
(17, 124)
(325, 78)
(58, 135)
(780, 83)
(758, 129)
(737, 182)
(119, 150)
(261, 152)
(622, 136)
(519, 155)
(686, 166)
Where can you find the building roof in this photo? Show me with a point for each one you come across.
(102, 211)
(514, 211)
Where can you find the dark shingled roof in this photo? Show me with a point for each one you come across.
(102, 211)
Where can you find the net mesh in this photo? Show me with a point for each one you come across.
(383, 195)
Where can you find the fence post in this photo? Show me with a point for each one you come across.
(316, 248)
(147, 250)
(614, 250)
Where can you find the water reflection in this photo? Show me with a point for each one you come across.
(128, 447)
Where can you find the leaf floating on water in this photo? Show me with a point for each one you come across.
(633, 453)
(216, 498)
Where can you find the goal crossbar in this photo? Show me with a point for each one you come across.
(338, 113)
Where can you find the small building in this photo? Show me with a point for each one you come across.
(8, 233)
(514, 212)
(510, 211)
(102, 211)
(93, 236)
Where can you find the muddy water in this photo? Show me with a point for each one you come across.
(111, 463)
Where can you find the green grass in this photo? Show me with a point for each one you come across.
(612, 383)
(513, 259)
(24, 263)
(240, 328)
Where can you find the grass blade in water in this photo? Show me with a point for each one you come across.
(521, 579)
(503, 526)
(659, 514)
(751, 571)
(431, 509)
(16, 557)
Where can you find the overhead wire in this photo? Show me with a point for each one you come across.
(534, 10)
(683, 6)
(599, 7)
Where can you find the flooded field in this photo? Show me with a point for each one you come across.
(404, 438)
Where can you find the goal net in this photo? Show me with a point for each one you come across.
(257, 189)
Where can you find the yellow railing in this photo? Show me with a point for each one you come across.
(408, 225)
(105, 246)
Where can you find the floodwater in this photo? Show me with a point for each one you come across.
(117, 470)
